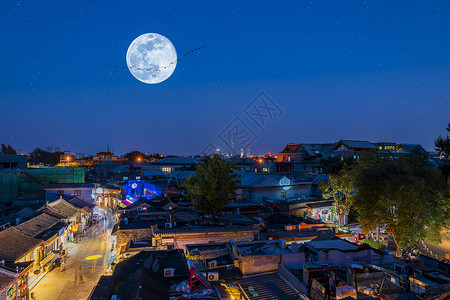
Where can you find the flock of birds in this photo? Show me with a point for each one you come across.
(100, 63)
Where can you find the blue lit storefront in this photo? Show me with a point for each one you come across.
(139, 189)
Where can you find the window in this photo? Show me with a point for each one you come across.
(166, 169)
(77, 193)
(60, 192)
(283, 195)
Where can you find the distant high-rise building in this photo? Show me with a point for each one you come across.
(242, 152)
(49, 149)
(248, 151)
(57, 149)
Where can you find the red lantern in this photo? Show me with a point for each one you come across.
(37, 272)
(22, 286)
(40, 248)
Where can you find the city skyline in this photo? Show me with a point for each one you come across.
(360, 71)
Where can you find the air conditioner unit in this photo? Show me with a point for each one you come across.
(169, 272)
(213, 276)
(212, 264)
(168, 225)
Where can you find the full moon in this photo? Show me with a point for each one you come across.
(151, 58)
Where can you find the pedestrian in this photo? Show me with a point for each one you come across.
(63, 265)
(447, 257)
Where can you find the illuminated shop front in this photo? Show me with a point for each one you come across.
(137, 189)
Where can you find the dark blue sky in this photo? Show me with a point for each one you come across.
(374, 70)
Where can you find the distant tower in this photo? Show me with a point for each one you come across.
(57, 149)
(107, 148)
(49, 149)
(248, 151)
(232, 147)
(242, 152)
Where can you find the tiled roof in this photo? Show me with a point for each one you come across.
(5, 281)
(37, 224)
(50, 232)
(14, 244)
(23, 214)
(203, 229)
(355, 144)
(80, 203)
(60, 207)
(268, 287)
(107, 163)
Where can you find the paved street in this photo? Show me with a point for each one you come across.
(81, 274)
(438, 251)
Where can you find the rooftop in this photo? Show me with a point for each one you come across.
(37, 224)
(267, 287)
(14, 244)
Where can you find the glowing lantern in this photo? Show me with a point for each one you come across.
(37, 272)
(75, 228)
(22, 287)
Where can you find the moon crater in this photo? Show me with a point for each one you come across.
(151, 58)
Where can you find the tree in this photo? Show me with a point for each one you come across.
(404, 193)
(370, 182)
(333, 165)
(341, 188)
(442, 144)
(8, 149)
(137, 156)
(213, 185)
(39, 156)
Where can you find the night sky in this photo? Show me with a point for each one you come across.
(375, 70)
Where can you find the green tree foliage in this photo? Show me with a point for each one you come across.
(333, 165)
(442, 144)
(135, 156)
(340, 188)
(39, 156)
(7, 149)
(404, 193)
(213, 185)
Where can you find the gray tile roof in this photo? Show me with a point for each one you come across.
(6, 280)
(60, 207)
(356, 144)
(14, 244)
(37, 224)
(268, 287)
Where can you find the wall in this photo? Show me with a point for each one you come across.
(341, 258)
(180, 243)
(274, 193)
(293, 259)
(124, 236)
(259, 264)
(289, 277)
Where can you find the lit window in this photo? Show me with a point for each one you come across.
(77, 193)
